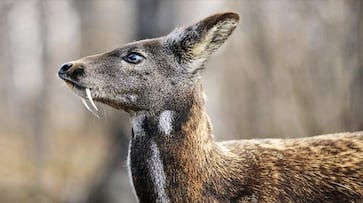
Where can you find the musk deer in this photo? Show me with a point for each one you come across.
(173, 156)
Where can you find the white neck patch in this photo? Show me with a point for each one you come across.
(157, 173)
(137, 125)
(166, 122)
(130, 172)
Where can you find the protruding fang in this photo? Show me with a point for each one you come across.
(88, 92)
(85, 104)
(88, 108)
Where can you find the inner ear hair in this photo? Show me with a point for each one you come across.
(192, 45)
(215, 30)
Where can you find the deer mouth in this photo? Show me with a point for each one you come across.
(84, 93)
(74, 85)
(89, 94)
(80, 90)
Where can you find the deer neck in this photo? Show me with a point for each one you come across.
(186, 120)
(172, 147)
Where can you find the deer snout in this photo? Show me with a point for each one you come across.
(70, 70)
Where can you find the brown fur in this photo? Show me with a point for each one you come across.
(184, 163)
(325, 168)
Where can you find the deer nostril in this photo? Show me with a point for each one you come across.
(64, 68)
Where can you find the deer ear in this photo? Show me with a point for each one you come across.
(193, 45)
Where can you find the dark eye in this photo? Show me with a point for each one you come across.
(133, 57)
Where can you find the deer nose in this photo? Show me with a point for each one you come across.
(71, 70)
(64, 68)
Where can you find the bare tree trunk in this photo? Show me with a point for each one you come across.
(109, 180)
(354, 119)
(154, 18)
(40, 103)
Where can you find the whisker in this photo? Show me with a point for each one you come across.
(104, 113)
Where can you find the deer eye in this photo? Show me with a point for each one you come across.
(133, 57)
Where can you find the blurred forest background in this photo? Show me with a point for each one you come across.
(291, 69)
